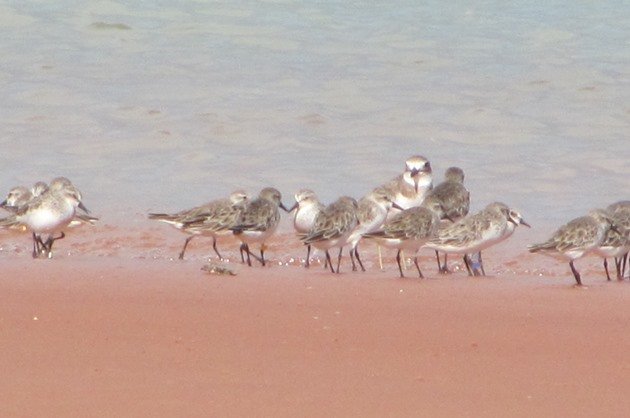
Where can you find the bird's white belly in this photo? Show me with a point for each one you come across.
(491, 237)
(609, 251)
(252, 237)
(45, 220)
(304, 221)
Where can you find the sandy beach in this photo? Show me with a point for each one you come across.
(159, 107)
(104, 336)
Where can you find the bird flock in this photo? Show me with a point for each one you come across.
(406, 213)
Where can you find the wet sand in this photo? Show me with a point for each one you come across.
(107, 336)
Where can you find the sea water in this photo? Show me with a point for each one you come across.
(163, 105)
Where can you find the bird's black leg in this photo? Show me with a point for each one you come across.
(467, 264)
(415, 260)
(339, 258)
(356, 254)
(398, 261)
(214, 246)
(308, 256)
(329, 262)
(181, 254)
(578, 279)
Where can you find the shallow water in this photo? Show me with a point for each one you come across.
(161, 107)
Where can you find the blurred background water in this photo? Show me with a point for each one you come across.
(163, 105)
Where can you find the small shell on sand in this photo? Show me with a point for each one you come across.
(217, 269)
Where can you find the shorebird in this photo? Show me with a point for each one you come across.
(306, 208)
(407, 230)
(475, 233)
(410, 188)
(616, 244)
(258, 221)
(212, 219)
(48, 213)
(372, 211)
(20, 196)
(451, 200)
(577, 238)
(333, 227)
(17, 196)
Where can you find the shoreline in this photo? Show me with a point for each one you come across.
(148, 240)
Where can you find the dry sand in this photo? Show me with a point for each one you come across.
(106, 336)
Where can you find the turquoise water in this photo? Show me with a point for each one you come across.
(164, 105)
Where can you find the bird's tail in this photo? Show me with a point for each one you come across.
(534, 248)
